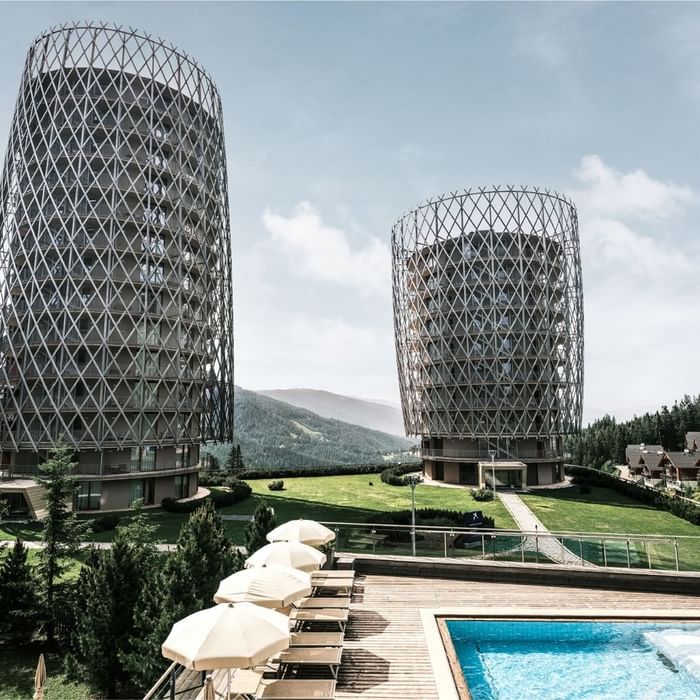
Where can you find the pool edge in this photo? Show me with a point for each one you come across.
(443, 656)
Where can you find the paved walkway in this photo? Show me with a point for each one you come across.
(545, 543)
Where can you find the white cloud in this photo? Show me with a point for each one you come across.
(639, 262)
(319, 252)
(607, 192)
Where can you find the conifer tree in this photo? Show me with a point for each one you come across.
(61, 533)
(106, 603)
(19, 604)
(186, 583)
(256, 530)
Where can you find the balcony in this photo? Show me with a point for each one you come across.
(485, 455)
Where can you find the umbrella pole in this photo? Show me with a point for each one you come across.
(228, 689)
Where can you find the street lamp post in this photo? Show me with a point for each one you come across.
(413, 481)
(493, 471)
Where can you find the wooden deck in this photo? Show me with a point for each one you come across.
(385, 653)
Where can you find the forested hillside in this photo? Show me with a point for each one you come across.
(605, 439)
(275, 434)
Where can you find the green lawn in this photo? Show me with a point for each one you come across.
(351, 499)
(327, 498)
(17, 667)
(606, 511)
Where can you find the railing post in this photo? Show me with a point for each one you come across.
(537, 547)
(580, 549)
(173, 680)
(629, 559)
(605, 554)
(675, 552)
(483, 546)
(563, 555)
(444, 542)
(522, 549)
(646, 546)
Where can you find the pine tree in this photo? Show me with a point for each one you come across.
(205, 551)
(106, 603)
(256, 530)
(186, 583)
(19, 604)
(61, 533)
(234, 460)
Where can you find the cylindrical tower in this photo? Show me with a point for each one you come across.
(115, 293)
(488, 316)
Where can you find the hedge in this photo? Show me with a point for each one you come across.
(403, 517)
(238, 491)
(433, 517)
(211, 478)
(593, 477)
(396, 476)
(106, 522)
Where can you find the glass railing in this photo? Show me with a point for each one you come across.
(614, 550)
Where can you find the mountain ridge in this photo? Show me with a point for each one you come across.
(275, 433)
(375, 415)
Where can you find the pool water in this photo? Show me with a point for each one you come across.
(552, 660)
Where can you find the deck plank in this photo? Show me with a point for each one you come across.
(385, 654)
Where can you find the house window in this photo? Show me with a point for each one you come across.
(182, 486)
(152, 272)
(88, 496)
(183, 456)
(143, 459)
(135, 491)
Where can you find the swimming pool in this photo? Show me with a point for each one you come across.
(567, 660)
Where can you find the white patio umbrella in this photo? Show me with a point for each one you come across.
(40, 678)
(307, 531)
(269, 586)
(229, 636)
(294, 554)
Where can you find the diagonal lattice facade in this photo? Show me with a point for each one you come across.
(116, 292)
(488, 316)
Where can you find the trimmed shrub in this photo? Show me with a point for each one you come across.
(276, 485)
(106, 522)
(174, 506)
(395, 475)
(238, 491)
(593, 477)
(326, 470)
(482, 494)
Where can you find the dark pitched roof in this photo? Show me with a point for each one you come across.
(684, 460)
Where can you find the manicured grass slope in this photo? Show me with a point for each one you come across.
(606, 511)
(17, 667)
(352, 499)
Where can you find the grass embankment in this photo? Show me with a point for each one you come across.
(17, 667)
(606, 511)
(327, 498)
(351, 499)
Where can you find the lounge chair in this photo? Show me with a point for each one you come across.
(337, 616)
(298, 657)
(342, 586)
(297, 690)
(329, 574)
(319, 602)
(317, 639)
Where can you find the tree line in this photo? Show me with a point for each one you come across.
(111, 620)
(604, 441)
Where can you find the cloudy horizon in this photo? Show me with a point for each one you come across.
(340, 117)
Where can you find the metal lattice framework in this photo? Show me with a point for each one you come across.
(116, 293)
(488, 315)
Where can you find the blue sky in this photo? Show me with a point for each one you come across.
(339, 117)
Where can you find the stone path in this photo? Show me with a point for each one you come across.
(545, 543)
